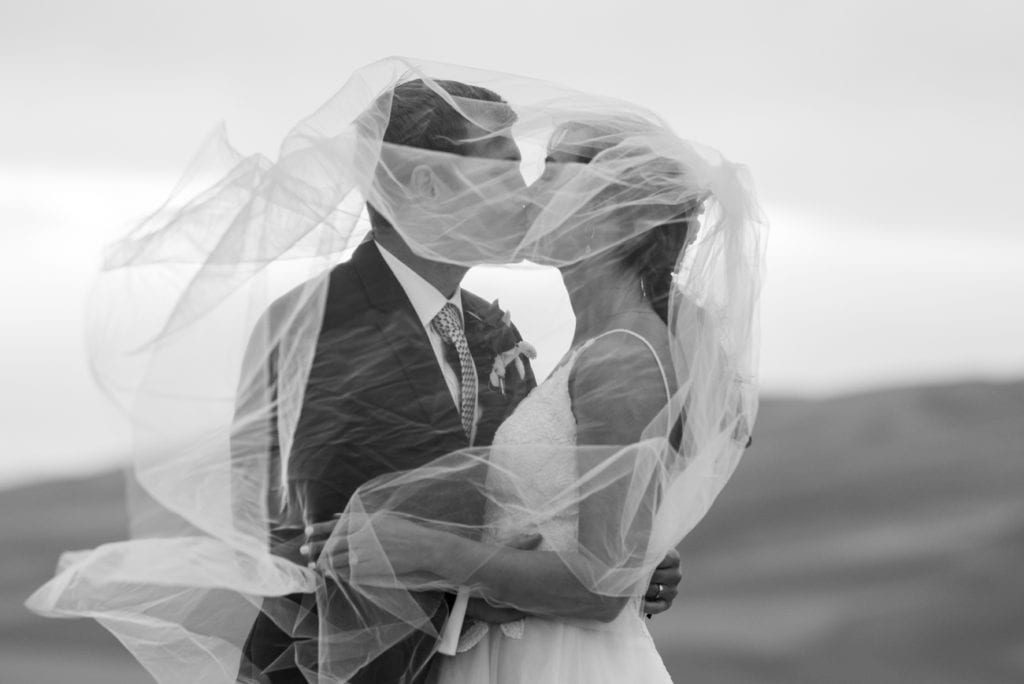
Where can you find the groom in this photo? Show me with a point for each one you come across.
(400, 376)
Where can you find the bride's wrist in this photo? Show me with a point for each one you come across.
(447, 557)
(431, 551)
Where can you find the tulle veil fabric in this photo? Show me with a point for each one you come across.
(204, 326)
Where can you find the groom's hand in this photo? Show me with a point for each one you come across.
(316, 536)
(664, 585)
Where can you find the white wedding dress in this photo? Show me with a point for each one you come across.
(540, 650)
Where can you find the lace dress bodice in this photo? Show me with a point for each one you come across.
(528, 470)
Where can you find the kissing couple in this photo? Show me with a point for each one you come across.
(386, 494)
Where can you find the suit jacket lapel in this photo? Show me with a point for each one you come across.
(488, 335)
(402, 333)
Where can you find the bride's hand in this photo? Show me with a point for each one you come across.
(384, 547)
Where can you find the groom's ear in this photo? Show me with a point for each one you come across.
(425, 183)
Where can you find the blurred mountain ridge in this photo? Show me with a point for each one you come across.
(870, 537)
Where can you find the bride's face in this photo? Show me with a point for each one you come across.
(560, 222)
(571, 148)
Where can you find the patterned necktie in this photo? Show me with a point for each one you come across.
(448, 325)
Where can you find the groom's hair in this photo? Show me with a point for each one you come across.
(421, 117)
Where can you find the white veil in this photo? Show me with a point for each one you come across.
(209, 323)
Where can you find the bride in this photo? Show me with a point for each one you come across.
(605, 467)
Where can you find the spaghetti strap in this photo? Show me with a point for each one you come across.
(661, 368)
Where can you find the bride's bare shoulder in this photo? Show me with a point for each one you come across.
(639, 352)
(617, 386)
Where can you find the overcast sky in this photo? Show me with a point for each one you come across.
(885, 139)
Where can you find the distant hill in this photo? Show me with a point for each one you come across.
(36, 524)
(869, 538)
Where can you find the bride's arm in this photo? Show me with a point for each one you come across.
(537, 582)
(617, 389)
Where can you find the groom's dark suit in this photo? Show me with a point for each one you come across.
(377, 402)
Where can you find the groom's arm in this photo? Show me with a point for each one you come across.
(255, 495)
(478, 609)
(254, 448)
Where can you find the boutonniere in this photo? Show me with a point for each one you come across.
(501, 339)
(514, 355)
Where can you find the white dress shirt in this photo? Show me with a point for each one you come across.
(427, 301)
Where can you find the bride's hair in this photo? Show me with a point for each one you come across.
(653, 256)
(419, 116)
